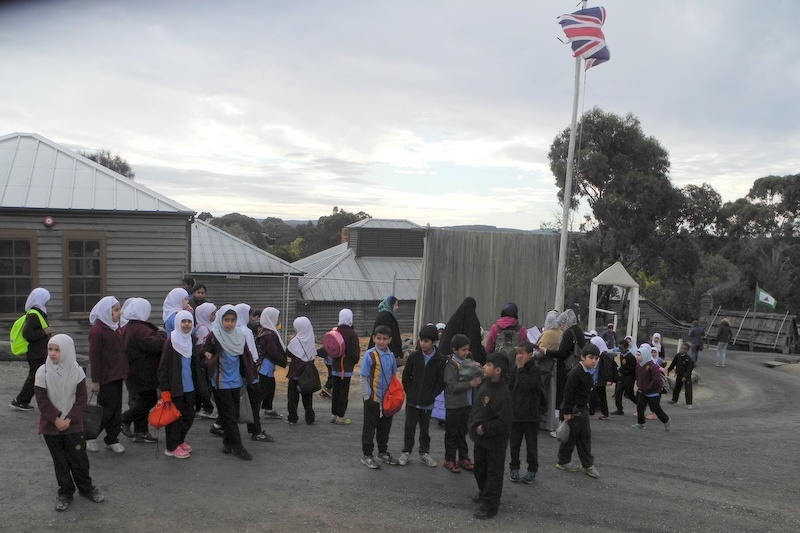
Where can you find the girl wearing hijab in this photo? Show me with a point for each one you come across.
(60, 387)
(648, 379)
(109, 367)
(342, 368)
(179, 378)
(176, 300)
(570, 345)
(37, 332)
(605, 373)
(231, 365)
(270, 348)
(658, 346)
(302, 350)
(465, 322)
(387, 316)
(204, 316)
(243, 314)
(142, 343)
(509, 319)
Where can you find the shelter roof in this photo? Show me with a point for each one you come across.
(615, 275)
(385, 223)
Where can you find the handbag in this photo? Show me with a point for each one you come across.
(245, 409)
(308, 381)
(165, 412)
(562, 432)
(394, 397)
(92, 419)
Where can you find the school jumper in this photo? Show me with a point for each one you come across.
(109, 367)
(143, 344)
(458, 396)
(577, 391)
(423, 381)
(342, 370)
(526, 399)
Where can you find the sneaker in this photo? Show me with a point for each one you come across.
(91, 446)
(591, 471)
(226, 449)
(667, 426)
(262, 437)
(125, 429)
(427, 460)
(19, 406)
(341, 421)
(177, 453)
(149, 438)
(206, 414)
(553, 434)
(186, 447)
(216, 430)
(243, 454)
(292, 422)
(94, 495)
(451, 466)
(369, 462)
(620, 413)
(690, 406)
(638, 426)
(672, 402)
(716, 364)
(528, 477)
(333, 419)
(569, 467)
(325, 393)
(477, 498)
(483, 514)
(722, 365)
(272, 414)
(603, 417)
(514, 476)
(466, 464)
(403, 460)
(116, 447)
(387, 458)
(651, 416)
(63, 502)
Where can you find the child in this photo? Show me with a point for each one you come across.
(577, 390)
(648, 380)
(627, 376)
(231, 366)
(204, 315)
(423, 380)
(342, 368)
(458, 399)
(525, 383)
(270, 348)
(177, 300)
(60, 388)
(378, 365)
(109, 367)
(179, 377)
(302, 349)
(489, 422)
(244, 321)
(605, 374)
(683, 365)
(37, 333)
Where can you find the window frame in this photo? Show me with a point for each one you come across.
(66, 238)
(33, 239)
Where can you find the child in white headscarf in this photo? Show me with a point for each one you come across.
(302, 349)
(176, 300)
(204, 315)
(60, 388)
(342, 368)
(243, 312)
(648, 380)
(37, 332)
(271, 349)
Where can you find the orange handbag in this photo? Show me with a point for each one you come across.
(165, 412)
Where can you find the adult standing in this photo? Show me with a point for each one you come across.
(387, 316)
(465, 321)
(37, 332)
(723, 338)
(695, 340)
(565, 356)
(509, 319)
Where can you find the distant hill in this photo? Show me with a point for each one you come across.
(483, 227)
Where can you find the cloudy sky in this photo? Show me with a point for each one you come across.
(438, 111)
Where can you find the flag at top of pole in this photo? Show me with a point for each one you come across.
(765, 298)
(584, 29)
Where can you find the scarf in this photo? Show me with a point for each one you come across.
(600, 343)
(387, 304)
(269, 320)
(174, 302)
(232, 341)
(182, 342)
(567, 319)
(550, 320)
(102, 312)
(61, 379)
(202, 316)
(242, 318)
(302, 344)
(656, 342)
(644, 351)
(346, 317)
(38, 298)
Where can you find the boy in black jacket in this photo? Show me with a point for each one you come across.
(683, 365)
(423, 381)
(627, 377)
(525, 382)
(489, 427)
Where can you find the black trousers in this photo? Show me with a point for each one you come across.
(529, 430)
(177, 431)
(139, 406)
(654, 402)
(267, 391)
(598, 400)
(417, 417)
(110, 397)
(339, 397)
(375, 428)
(255, 393)
(203, 402)
(624, 388)
(293, 397)
(580, 436)
(489, 469)
(228, 409)
(329, 381)
(26, 394)
(455, 434)
(679, 382)
(71, 462)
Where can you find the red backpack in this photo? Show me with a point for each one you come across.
(333, 343)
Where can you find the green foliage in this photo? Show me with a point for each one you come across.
(327, 231)
(111, 161)
(205, 216)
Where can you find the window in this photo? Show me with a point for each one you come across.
(17, 270)
(84, 270)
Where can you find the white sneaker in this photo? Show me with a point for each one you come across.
(403, 460)
(690, 406)
(426, 459)
(116, 447)
(91, 446)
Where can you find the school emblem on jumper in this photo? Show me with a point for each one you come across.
(77, 447)
(486, 400)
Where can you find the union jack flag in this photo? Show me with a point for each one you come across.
(584, 30)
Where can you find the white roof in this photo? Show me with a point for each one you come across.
(215, 251)
(36, 173)
(385, 223)
(615, 275)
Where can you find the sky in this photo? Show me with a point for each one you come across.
(437, 111)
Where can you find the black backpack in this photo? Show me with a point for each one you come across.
(506, 343)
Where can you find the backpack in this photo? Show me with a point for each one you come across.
(333, 344)
(19, 344)
(506, 343)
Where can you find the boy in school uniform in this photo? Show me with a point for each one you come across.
(423, 380)
(525, 383)
(489, 428)
(378, 365)
(458, 394)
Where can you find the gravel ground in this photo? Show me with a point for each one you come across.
(729, 465)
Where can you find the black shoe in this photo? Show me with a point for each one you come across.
(19, 406)
(95, 495)
(618, 413)
(216, 430)
(148, 438)
(125, 429)
(242, 454)
(477, 498)
(483, 513)
(226, 449)
(63, 502)
(262, 437)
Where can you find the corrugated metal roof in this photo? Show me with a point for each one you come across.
(216, 251)
(37, 173)
(385, 223)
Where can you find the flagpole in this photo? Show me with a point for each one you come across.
(562, 249)
(755, 313)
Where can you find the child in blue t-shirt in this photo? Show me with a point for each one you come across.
(378, 365)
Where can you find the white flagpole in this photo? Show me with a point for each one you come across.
(562, 249)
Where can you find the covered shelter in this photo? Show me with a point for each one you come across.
(616, 275)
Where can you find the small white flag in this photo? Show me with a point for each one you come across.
(765, 298)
